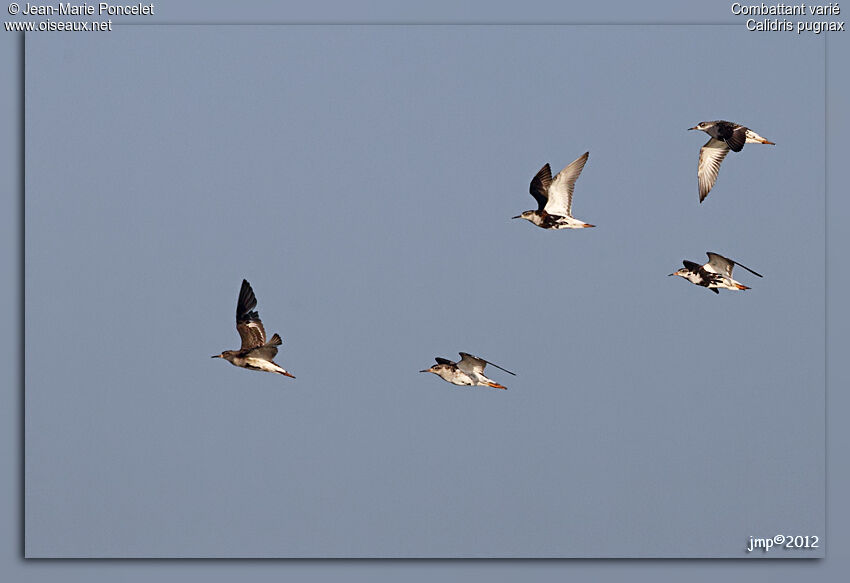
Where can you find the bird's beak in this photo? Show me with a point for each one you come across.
(288, 374)
(517, 217)
(426, 370)
(693, 128)
(498, 386)
(669, 274)
(215, 356)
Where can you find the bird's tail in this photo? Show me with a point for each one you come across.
(754, 137)
(275, 340)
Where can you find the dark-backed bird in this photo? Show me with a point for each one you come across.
(255, 353)
(725, 136)
(469, 371)
(717, 273)
(555, 197)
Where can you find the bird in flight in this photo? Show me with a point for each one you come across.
(725, 136)
(469, 371)
(717, 273)
(555, 197)
(255, 353)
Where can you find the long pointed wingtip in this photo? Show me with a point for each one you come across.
(499, 367)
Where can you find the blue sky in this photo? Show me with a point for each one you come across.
(363, 180)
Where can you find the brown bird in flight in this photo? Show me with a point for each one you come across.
(255, 353)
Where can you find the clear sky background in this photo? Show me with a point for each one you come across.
(363, 180)
(795, 71)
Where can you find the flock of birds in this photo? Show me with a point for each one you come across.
(554, 198)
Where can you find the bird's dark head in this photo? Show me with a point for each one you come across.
(526, 215)
(437, 368)
(227, 354)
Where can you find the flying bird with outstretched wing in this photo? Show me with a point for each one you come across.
(555, 197)
(255, 353)
(725, 136)
(714, 275)
(467, 372)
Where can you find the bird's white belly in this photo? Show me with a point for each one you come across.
(565, 222)
(480, 379)
(537, 220)
(260, 364)
(457, 378)
(726, 283)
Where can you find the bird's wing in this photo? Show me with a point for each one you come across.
(266, 352)
(719, 264)
(733, 134)
(539, 188)
(248, 322)
(445, 361)
(251, 331)
(716, 262)
(710, 157)
(691, 266)
(561, 189)
(471, 364)
(748, 269)
(474, 364)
